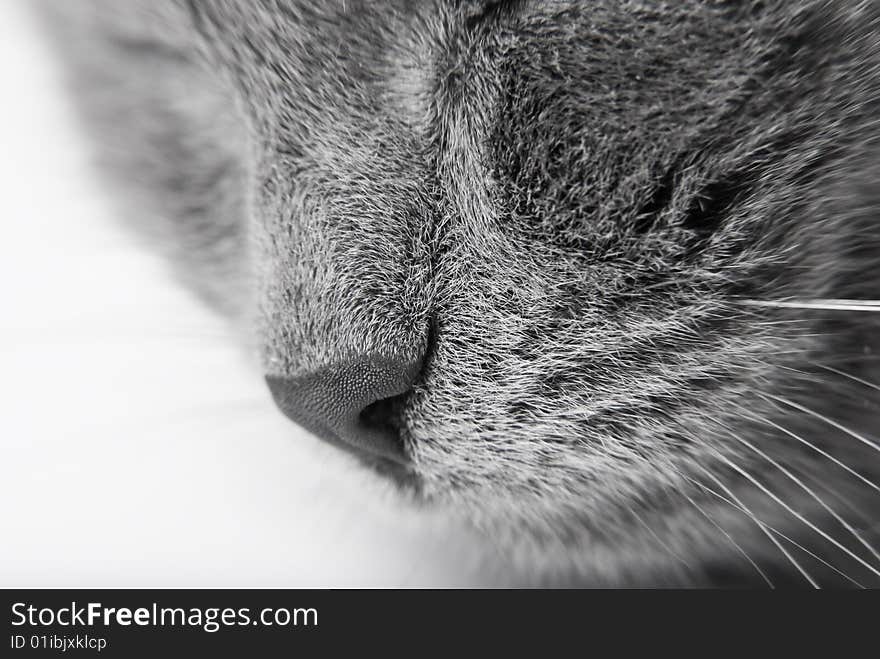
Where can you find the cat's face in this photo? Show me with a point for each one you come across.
(570, 224)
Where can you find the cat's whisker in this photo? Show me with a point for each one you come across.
(765, 528)
(749, 414)
(843, 500)
(730, 539)
(848, 358)
(830, 305)
(745, 474)
(821, 417)
(823, 453)
(770, 529)
(659, 540)
(840, 520)
(849, 376)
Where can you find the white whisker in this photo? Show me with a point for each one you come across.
(842, 499)
(660, 541)
(831, 305)
(824, 454)
(782, 535)
(765, 529)
(809, 491)
(761, 419)
(870, 385)
(830, 422)
(795, 513)
(730, 539)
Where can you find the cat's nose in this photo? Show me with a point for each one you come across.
(350, 405)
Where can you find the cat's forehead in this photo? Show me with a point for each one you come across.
(409, 50)
(368, 43)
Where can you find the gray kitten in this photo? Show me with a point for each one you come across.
(595, 277)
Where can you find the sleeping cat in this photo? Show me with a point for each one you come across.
(596, 277)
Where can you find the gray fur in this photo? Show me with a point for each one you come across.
(565, 203)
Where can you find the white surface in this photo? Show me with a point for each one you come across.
(137, 448)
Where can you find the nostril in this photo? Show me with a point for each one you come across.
(384, 416)
(355, 406)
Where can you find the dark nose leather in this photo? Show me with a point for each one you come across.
(348, 405)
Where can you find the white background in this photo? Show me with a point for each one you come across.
(137, 445)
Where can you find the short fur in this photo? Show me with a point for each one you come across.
(566, 206)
